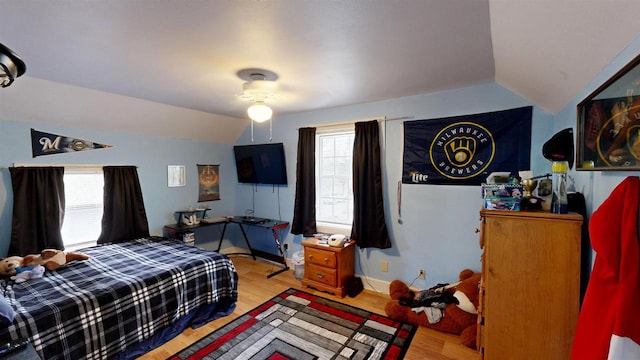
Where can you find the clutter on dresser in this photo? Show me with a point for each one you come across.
(334, 240)
(560, 202)
(537, 191)
(502, 192)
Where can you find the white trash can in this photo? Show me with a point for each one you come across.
(298, 264)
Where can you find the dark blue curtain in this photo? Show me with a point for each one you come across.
(38, 209)
(304, 211)
(124, 215)
(369, 227)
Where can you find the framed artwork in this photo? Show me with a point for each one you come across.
(176, 176)
(608, 136)
(208, 182)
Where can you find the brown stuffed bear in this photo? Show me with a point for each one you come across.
(51, 259)
(455, 318)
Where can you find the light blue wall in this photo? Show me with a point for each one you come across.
(438, 222)
(597, 185)
(150, 154)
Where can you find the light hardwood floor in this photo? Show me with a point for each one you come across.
(254, 288)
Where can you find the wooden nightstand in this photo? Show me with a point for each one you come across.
(328, 268)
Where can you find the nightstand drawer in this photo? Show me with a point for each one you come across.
(320, 257)
(321, 274)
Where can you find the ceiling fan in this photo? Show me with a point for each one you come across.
(259, 87)
(11, 66)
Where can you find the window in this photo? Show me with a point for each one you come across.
(334, 185)
(84, 194)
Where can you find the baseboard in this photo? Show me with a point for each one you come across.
(375, 285)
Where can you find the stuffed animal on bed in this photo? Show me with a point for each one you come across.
(51, 259)
(451, 308)
(27, 273)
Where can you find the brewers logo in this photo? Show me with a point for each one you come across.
(462, 150)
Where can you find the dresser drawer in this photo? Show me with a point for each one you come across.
(320, 257)
(321, 274)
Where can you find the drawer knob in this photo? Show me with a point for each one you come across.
(326, 260)
(320, 275)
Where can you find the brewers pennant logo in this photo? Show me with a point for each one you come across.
(46, 144)
(464, 150)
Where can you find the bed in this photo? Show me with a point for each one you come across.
(127, 299)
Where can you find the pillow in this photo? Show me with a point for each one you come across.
(6, 313)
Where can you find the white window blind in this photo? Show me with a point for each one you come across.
(84, 193)
(334, 185)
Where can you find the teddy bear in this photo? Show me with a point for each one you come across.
(51, 259)
(454, 311)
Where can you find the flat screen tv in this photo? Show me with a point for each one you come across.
(261, 164)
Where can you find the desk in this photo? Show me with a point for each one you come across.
(241, 221)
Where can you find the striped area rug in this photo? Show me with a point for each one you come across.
(298, 325)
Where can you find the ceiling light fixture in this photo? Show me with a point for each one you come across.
(259, 87)
(259, 112)
(11, 66)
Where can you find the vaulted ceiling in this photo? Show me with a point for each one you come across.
(186, 54)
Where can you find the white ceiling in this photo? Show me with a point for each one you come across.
(186, 54)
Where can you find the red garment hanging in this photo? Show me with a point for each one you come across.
(609, 321)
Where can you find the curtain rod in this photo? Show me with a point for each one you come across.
(379, 118)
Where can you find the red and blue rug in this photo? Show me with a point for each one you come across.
(298, 325)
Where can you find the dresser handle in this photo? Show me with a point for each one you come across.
(320, 275)
(326, 260)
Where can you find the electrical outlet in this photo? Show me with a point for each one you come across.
(384, 266)
(421, 274)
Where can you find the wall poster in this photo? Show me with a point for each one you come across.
(208, 182)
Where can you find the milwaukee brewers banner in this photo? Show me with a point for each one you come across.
(464, 150)
(46, 144)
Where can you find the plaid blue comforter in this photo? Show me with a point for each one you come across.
(121, 296)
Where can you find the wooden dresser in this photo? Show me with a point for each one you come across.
(328, 268)
(530, 288)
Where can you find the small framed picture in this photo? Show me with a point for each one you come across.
(176, 176)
